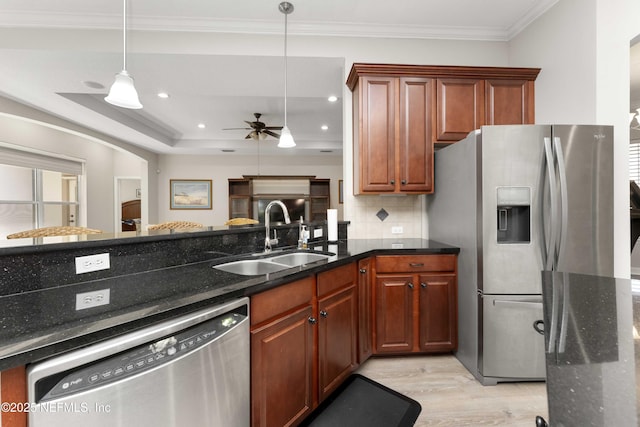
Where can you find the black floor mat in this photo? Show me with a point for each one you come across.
(360, 401)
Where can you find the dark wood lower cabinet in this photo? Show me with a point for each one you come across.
(394, 314)
(282, 370)
(415, 304)
(303, 345)
(365, 309)
(13, 390)
(337, 339)
(438, 313)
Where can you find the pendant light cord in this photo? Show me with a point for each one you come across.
(285, 69)
(124, 35)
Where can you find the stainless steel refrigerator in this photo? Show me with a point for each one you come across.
(519, 199)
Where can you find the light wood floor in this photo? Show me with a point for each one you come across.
(451, 396)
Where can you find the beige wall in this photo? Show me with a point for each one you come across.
(585, 79)
(220, 168)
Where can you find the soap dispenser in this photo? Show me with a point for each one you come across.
(302, 235)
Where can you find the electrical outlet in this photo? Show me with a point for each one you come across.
(86, 264)
(397, 230)
(92, 299)
(317, 232)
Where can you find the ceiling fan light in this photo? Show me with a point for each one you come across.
(286, 139)
(123, 93)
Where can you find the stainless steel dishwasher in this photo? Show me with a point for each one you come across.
(190, 371)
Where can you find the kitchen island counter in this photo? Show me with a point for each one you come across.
(591, 326)
(161, 278)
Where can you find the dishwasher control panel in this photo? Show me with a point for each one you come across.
(137, 360)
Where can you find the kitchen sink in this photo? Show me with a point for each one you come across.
(271, 264)
(251, 267)
(298, 258)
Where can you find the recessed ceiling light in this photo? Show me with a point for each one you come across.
(324, 127)
(202, 125)
(163, 95)
(332, 98)
(93, 85)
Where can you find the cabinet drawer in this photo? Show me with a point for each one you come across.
(417, 263)
(269, 304)
(337, 278)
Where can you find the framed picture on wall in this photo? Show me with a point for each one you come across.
(190, 193)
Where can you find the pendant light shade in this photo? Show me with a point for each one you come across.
(123, 93)
(286, 139)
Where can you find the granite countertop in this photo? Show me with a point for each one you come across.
(591, 326)
(37, 322)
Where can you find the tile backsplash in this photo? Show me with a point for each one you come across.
(405, 217)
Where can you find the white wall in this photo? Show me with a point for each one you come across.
(220, 168)
(582, 47)
(103, 156)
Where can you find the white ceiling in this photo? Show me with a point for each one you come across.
(49, 77)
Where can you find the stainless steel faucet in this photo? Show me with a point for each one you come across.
(268, 241)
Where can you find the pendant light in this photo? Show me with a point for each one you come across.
(286, 139)
(123, 92)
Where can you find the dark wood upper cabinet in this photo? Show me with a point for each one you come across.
(460, 108)
(509, 102)
(401, 113)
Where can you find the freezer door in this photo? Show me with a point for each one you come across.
(509, 200)
(511, 347)
(585, 175)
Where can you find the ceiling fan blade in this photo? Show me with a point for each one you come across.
(273, 134)
(274, 127)
(252, 124)
(236, 129)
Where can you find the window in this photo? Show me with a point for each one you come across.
(37, 191)
(634, 162)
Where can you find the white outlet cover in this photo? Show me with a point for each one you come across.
(97, 262)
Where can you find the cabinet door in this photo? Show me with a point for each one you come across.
(282, 370)
(437, 313)
(394, 314)
(509, 102)
(365, 301)
(460, 108)
(416, 139)
(337, 339)
(377, 134)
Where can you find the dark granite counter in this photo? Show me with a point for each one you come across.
(592, 346)
(151, 278)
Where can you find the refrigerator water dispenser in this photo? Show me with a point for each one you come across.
(513, 214)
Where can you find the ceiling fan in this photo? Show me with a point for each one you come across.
(259, 129)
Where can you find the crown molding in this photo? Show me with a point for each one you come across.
(86, 21)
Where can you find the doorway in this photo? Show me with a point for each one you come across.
(128, 203)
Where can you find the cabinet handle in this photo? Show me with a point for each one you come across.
(416, 264)
(423, 285)
(312, 320)
(323, 313)
(392, 182)
(403, 182)
(363, 270)
(410, 285)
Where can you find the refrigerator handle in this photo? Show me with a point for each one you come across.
(551, 172)
(533, 303)
(562, 177)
